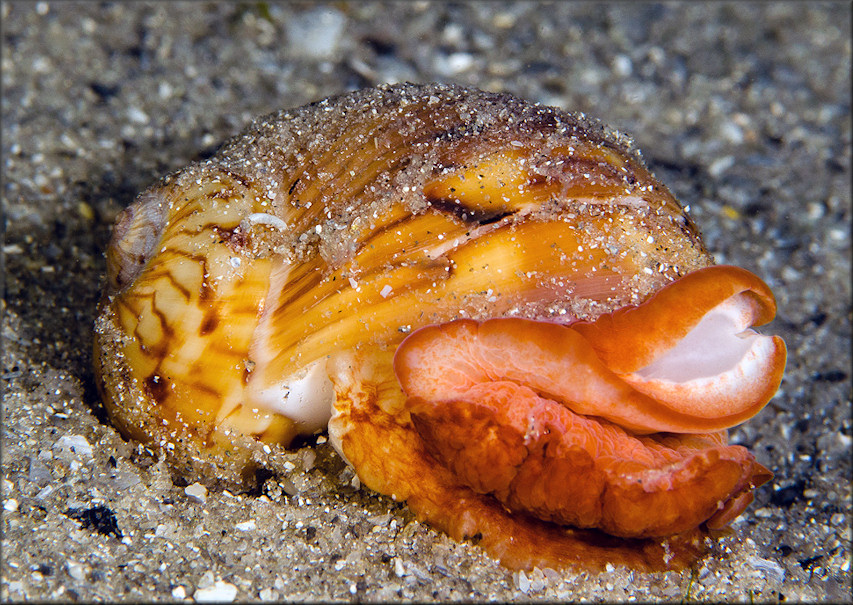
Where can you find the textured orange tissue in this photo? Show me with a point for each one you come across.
(529, 414)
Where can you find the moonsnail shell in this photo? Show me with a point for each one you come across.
(498, 312)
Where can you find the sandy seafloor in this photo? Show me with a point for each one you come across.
(743, 110)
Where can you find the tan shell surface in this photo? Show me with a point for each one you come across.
(346, 224)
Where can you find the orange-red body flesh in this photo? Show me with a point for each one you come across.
(544, 420)
(535, 455)
(589, 367)
(391, 457)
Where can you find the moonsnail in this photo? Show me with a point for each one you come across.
(501, 316)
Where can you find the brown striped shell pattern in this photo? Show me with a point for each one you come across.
(493, 307)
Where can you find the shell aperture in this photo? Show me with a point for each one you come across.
(261, 293)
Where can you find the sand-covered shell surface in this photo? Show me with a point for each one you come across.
(500, 315)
